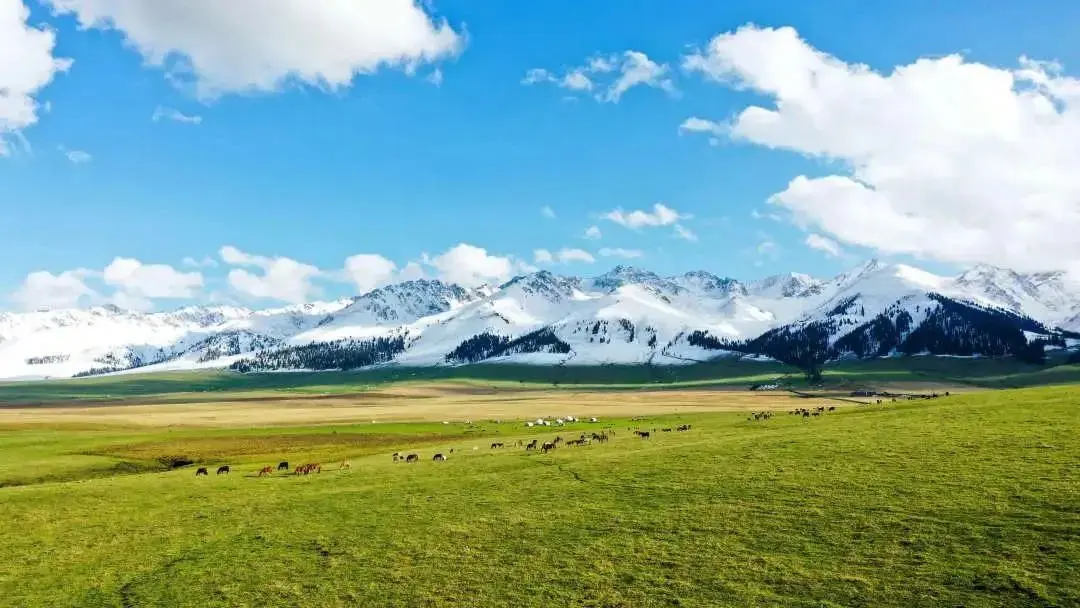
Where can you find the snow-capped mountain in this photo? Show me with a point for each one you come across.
(627, 315)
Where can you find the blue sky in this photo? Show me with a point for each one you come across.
(395, 165)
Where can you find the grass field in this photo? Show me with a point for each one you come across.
(970, 500)
(916, 373)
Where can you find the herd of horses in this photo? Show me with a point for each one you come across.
(303, 469)
(533, 445)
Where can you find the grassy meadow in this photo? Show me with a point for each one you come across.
(971, 500)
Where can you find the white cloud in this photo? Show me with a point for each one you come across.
(471, 266)
(685, 233)
(637, 69)
(569, 255)
(45, 290)
(144, 282)
(701, 125)
(661, 215)
(280, 279)
(27, 65)
(547, 212)
(411, 272)
(205, 262)
(946, 159)
(163, 113)
(628, 254)
(593, 233)
(824, 244)
(261, 45)
(768, 248)
(619, 73)
(435, 77)
(77, 157)
(368, 271)
(543, 256)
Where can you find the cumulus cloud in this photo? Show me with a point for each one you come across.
(368, 271)
(627, 254)
(77, 157)
(568, 255)
(43, 289)
(700, 125)
(143, 282)
(824, 244)
(435, 77)
(612, 75)
(593, 233)
(542, 256)
(162, 113)
(27, 65)
(661, 215)
(279, 278)
(471, 266)
(547, 212)
(261, 45)
(946, 159)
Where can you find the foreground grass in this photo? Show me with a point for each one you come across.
(971, 500)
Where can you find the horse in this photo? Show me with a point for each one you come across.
(531, 445)
(438, 458)
(547, 447)
(283, 466)
(644, 434)
(223, 469)
(266, 471)
(345, 464)
(412, 458)
(201, 471)
(396, 456)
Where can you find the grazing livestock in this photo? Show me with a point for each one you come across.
(531, 445)
(666, 430)
(547, 447)
(496, 445)
(832, 408)
(644, 434)
(201, 471)
(266, 471)
(439, 458)
(412, 458)
(683, 427)
(345, 464)
(223, 469)
(283, 466)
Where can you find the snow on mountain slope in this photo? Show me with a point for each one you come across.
(627, 315)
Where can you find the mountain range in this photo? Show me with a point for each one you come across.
(627, 316)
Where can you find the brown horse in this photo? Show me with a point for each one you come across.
(547, 447)
(223, 469)
(345, 464)
(266, 471)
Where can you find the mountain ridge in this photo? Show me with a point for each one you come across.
(627, 315)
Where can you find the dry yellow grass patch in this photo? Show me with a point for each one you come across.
(405, 404)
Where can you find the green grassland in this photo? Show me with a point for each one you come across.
(720, 373)
(971, 500)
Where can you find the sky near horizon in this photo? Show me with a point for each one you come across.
(154, 155)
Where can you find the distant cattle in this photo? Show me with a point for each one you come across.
(496, 445)
(412, 458)
(223, 469)
(266, 471)
(283, 465)
(201, 471)
(644, 434)
(438, 458)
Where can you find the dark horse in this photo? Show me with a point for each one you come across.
(223, 469)
(439, 457)
(201, 471)
(412, 458)
(283, 465)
